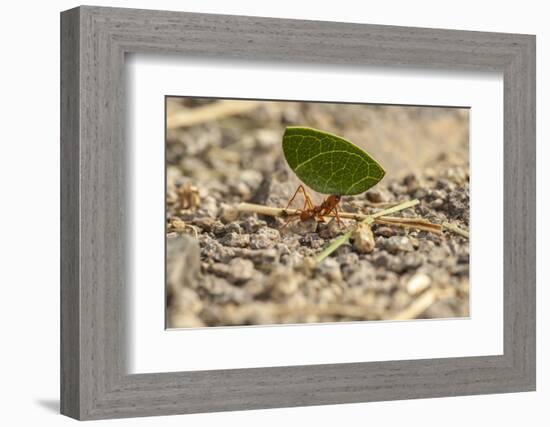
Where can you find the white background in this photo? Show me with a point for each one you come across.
(29, 176)
(152, 349)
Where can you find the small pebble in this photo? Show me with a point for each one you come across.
(293, 259)
(233, 227)
(251, 178)
(358, 279)
(268, 138)
(420, 193)
(264, 238)
(255, 288)
(287, 287)
(330, 230)
(236, 240)
(314, 241)
(243, 190)
(240, 270)
(384, 231)
(458, 204)
(252, 224)
(418, 283)
(363, 239)
(412, 260)
(282, 249)
(228, 213)
(395, 244)
(206, 223)
(445, 185)
(397, 188)
(396, 265)
(437, 203)
(350, 258)
(219, 269)
(257, 256)
(457, 175)
(209, 207)
(437, 194)
(330, 268)
(303, 227)
(411, 182)
(379, 195)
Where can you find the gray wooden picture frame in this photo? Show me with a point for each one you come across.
(94, 382)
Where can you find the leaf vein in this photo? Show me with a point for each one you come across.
(327, 153)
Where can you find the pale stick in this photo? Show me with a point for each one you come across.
(419, 223)
(457, 230)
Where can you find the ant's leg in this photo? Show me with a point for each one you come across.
(300, 188)
(335, 209)
(308, 205)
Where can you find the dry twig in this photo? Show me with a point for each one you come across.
(456, 229)
(417, 223)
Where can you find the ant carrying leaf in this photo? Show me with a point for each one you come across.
(332, 165)
(310, 210)
(329, 165)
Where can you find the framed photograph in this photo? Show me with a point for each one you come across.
(262, 213)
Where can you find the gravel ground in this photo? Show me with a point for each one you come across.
(229, 269)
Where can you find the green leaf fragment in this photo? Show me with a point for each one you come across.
(328, 163)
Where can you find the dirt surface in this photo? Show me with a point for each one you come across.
(229, 269)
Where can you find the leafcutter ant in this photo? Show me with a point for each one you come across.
(329, 206)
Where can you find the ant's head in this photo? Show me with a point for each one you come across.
(336, 198)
